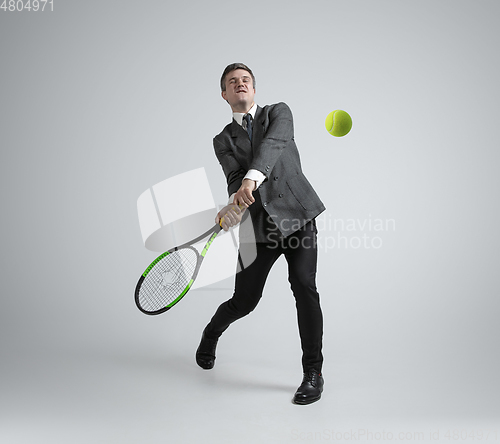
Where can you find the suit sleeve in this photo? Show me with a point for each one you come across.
(233, 171)
(278, 134)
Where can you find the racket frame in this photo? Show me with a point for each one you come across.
(214, 231)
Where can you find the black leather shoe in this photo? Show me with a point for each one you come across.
(205, 355)
(310, 389)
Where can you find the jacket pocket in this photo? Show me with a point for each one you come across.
(297, 189)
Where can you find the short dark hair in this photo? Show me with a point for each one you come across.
(232, 67)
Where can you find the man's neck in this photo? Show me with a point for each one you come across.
(243, 109)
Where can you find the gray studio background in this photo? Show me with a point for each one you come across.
(101, 100)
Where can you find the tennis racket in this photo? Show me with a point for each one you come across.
(170, 276)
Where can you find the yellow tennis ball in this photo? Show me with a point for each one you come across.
(338, 123)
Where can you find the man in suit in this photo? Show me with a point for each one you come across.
(261, 163)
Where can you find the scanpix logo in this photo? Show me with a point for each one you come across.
(353, 233)
(361, 435)
(338, 233)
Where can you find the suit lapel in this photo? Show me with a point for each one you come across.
(242, 148)
(241, 144)
(258, 129)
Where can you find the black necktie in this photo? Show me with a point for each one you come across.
(248, 119)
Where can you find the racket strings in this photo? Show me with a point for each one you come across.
(168, 279)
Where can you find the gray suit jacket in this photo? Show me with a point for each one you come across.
(285, 195)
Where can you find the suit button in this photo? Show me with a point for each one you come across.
(264, 204)
(281, 195)
(275, 177)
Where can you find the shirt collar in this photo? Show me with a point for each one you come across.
(239, 116)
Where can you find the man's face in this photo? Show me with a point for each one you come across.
(239, 90)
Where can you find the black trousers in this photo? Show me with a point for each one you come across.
(300, 250)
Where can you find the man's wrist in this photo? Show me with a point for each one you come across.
(256, 176)
(250, 182)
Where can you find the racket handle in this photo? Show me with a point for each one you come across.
(222, 218)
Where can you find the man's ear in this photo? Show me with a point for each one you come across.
(223, 94)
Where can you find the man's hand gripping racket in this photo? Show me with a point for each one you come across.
(170, 276)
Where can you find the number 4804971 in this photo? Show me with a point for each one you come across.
(27, 5)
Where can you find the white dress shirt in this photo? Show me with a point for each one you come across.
(255, 175)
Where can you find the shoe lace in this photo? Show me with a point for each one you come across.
(312, 377)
